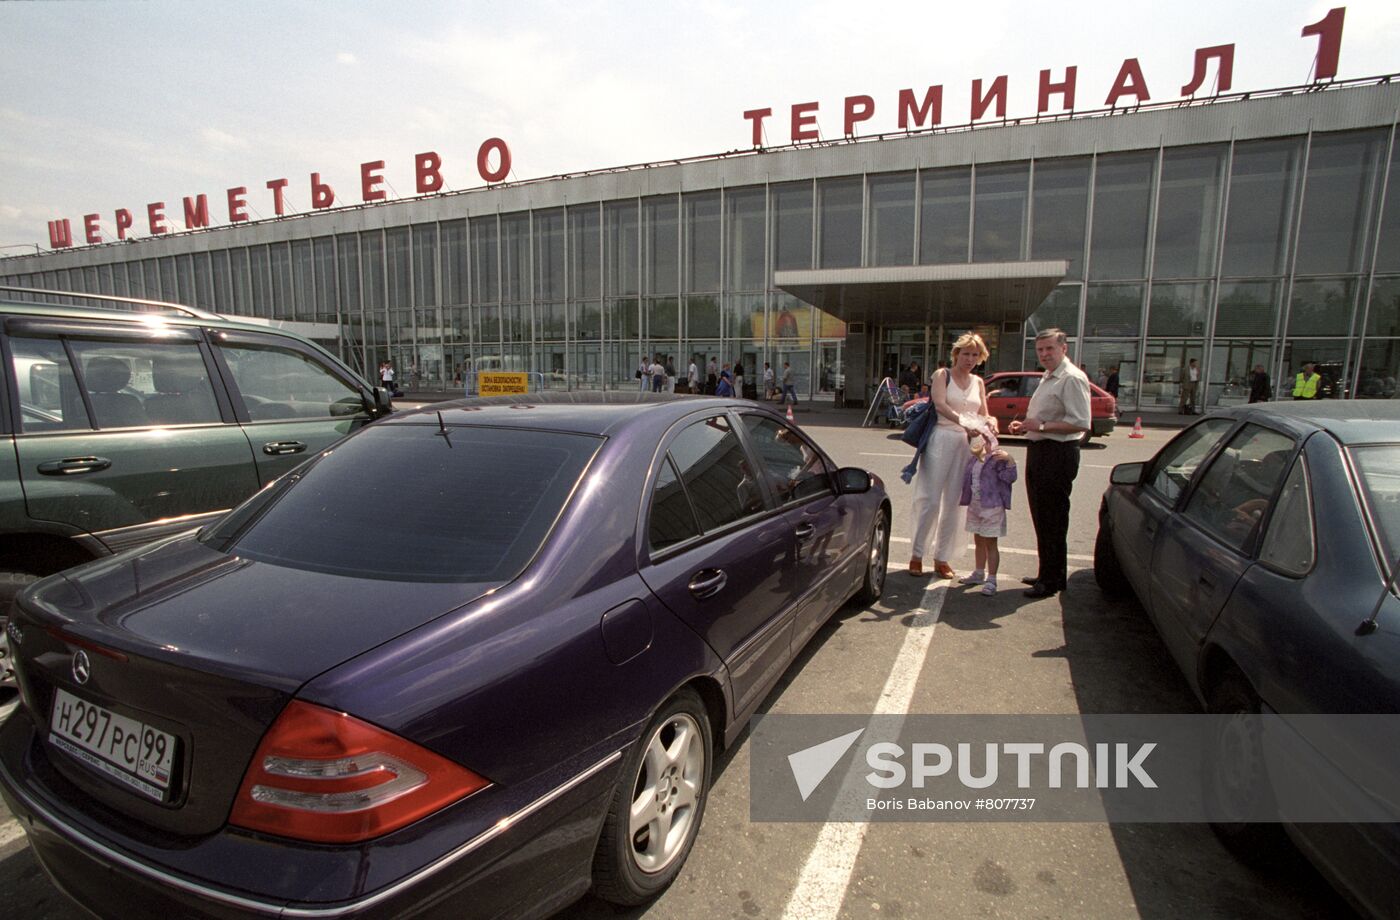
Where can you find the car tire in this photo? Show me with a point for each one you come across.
(11, 583)
(1235, 779)
(638, 857)
(877, 561)
(1107, 571)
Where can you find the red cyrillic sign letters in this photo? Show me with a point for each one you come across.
(989, 97)
(493, 164)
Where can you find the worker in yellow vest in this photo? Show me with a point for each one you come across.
(1306, 384)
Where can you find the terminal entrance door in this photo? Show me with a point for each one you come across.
(901, 345)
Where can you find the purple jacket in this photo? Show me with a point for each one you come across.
(997, 477)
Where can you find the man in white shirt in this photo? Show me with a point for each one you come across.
(770, 388)
(692, 376)
(1190, 378)
(1056, 420)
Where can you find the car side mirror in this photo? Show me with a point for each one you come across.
(1127, 474)
(852, 480)
(379, 403)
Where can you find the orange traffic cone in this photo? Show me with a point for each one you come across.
(789, 414)
(1137, 428)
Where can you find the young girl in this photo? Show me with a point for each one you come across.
(987, 494)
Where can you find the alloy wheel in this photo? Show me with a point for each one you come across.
(666, 794)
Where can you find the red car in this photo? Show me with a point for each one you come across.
(1009, 392)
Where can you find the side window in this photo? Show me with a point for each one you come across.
(794, 469)
(1378, 467)
(1289, 543)
(672, 518)
(281, 383)
(711, 463)
(1234, 492)
(133, 384)
(49, 399)
(1177, 462)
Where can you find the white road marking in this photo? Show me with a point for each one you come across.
(10, 831)
(1015, 551)
(821, 888)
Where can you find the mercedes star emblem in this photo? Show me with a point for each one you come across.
(82, 668)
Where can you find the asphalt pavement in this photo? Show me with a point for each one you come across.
(934, 647)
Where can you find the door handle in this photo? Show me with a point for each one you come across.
(277, 448)
(707, 583)
(805, 532)
(70, 466)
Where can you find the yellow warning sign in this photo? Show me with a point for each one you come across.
(502, 383)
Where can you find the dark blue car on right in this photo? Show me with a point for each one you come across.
(1263, 543)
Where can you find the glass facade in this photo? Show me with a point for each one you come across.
(1240, 254)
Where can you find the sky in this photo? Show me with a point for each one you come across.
(109, 105)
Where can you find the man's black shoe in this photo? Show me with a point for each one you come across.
(1029, 580)
(1037, 590)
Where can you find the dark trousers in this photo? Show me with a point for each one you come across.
(1050, 470)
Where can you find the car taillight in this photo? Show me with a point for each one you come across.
(328, 777)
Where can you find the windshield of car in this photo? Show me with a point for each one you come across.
(1378, 467)
(407, 503)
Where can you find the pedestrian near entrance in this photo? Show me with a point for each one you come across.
(1190, 379)
(911, 378)
(960, 401)
(789, 388)
(644, 373)
(1306, 384)
(986, 493)
(770, 387)
(1111, 385)
(692, 377)
(658, 376)
(725, 387)
(1056, 420)
(739, 380)
(1259, 387)
(670, 374)
(711, 376)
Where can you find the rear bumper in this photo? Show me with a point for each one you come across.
(530, 863)
(1103, 426)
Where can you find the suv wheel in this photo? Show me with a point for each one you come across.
(11, 583)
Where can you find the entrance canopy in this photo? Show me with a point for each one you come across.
(960, 293)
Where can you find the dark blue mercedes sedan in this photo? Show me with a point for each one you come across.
(470, 661)
(1264, 542)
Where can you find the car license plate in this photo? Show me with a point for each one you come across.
(130, 752)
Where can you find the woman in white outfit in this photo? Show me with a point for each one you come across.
(958, 394)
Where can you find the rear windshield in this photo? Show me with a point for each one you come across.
(1379, 469)
(405, 503)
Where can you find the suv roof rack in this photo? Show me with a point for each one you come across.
(110, 298)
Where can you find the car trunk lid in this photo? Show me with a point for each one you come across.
(121, 647)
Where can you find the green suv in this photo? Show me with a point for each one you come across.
(125, 427)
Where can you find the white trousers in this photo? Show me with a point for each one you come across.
(937, 489)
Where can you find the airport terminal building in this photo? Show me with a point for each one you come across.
(1251, 229)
